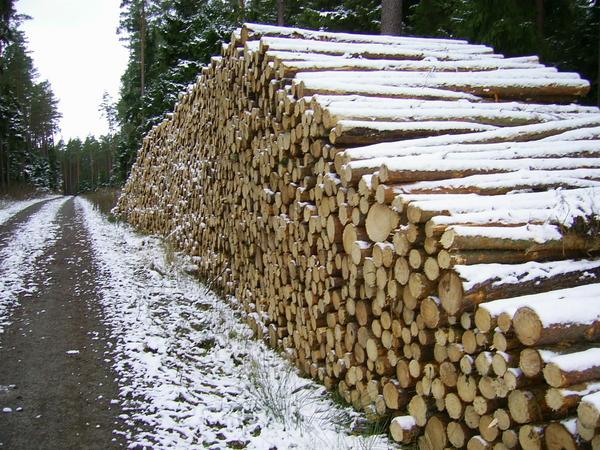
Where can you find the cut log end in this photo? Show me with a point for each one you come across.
(404, 429)
(559, 437)
(530, 362)
(381, 221)
(451, 292)
(528, 326)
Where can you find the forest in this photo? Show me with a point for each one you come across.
(170, 40)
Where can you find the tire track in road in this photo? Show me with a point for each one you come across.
(14, 208)
(18, 257)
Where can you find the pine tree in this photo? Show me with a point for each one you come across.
(7, 15)
(28, 113)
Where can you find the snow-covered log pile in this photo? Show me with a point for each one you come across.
(414, 221)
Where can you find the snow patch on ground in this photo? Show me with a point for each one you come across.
(17, 258)
(190, 374)
(11, 208)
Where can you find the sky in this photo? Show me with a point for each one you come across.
(75, 46)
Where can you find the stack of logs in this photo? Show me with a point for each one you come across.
(413, 221)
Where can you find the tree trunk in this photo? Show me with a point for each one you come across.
(77, 172)
(391, 17)
(242, 11)
(142, 47)
(2, 150)
(539, 19)
(280, 11)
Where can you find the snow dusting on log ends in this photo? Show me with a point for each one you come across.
(413, 222)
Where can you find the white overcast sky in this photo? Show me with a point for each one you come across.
(75, 46)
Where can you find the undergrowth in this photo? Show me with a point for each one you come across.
(104, 200)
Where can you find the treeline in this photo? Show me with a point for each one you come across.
(28, 112)
(169, 40)
(29, 121)
(87, 165)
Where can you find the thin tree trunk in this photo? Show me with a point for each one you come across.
(280, 12)
(242, 11)
(540, 19)
(110, 161)
(2, 151)
(391, 17)
(93, 179)
(77, 172)
(142, 47)
(66, 174)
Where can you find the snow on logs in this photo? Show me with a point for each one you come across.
(445, 275)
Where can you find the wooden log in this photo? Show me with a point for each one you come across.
(360, 132)
(532, 360)
(587, 434)
(480, 83)
(588, 411)
(527, 406)
(435, 432)
(563, 435)
(458, 434)
(381, 221)
(404, 429)
(466, 287)
(567, 399)
(406, 172)
(420, 408)
(394, 395)
(488, 428)
(432, 144)
(542, 238)
(477, 442)
(577, 320)
(531, 437)
(405, 111)
(573, 368)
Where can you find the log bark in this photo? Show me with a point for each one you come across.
(456, 296)
(535, 328)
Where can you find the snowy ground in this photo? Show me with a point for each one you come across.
(190, 375)
(18, 257)
(9, 209)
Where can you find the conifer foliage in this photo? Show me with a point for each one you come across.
(28, 112)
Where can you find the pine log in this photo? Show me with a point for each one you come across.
(432, 144)
(531, 437)
(573, 368)
(404, 429)
(435, 432)
(381, 221)
(468, 286)
(563, 436)
(577, 320)
(567, 399)
(588, 411)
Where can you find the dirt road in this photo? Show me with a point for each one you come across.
(57, 389)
